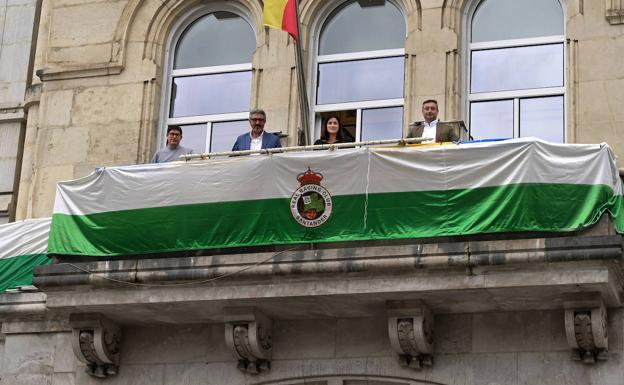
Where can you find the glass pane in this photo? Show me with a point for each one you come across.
(211, 94)
(354, 28)
(224, 134)
(517, 68)
(542, 118)
(9, 151)
(216, 39)
(491, 120)
(516, 19)
(382, 123)
(360, 80)
(194, 136)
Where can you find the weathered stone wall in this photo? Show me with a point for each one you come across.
(511, 348)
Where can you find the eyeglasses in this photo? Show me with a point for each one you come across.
(257, 119)
(174, 134)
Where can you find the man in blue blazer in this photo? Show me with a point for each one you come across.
(257, 138)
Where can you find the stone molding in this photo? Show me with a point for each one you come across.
(12, 114)
(614, 11)
(410, 328)
(19, 304)
(76, 72)
(248, 335)
(586, 329)
(96, 341)
(443, 255)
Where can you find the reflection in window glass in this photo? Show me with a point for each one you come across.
(360, 80)
(517, 68)
(542, 118)
(216, 39)
(349, 30)
(224, 134)
(382, 123)
(194, 136)
(211, 94)
(515, 19)
(491, 120)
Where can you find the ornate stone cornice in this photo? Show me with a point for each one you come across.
(248, 336)
(410, 328)
(82, 71)
(586, 328)
(96, 342)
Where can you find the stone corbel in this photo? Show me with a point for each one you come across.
(586, 329)
(96, 341)
(410, 327)
(614, 11)
(248, 336)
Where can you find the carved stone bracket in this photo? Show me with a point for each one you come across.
(248, 335)
(614, 11)
(96, 341)
(586, 329)
(410, 327)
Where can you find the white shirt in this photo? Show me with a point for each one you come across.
(429, 130)
(256, 143)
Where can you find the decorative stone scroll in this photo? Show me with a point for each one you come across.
(248, 335)
(614, 11)
(96, 341)
(410, 327)
(586, 329)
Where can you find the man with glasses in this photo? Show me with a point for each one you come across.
(256, 139)
(173, 150)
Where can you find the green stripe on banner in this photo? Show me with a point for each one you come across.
(18, 271)
(523, 207)
(617, 213)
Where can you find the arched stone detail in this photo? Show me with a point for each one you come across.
(312, 11)
(451, 14)
(148, 24)
(159, 18)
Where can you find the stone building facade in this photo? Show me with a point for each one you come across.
(89, 83)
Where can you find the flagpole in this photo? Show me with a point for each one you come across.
(301, 84)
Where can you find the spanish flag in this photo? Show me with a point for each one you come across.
(281, 14)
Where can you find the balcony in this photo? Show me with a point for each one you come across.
(398, 233)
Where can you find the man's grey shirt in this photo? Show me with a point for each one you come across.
(168, 155)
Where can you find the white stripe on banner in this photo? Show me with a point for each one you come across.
(24, 238)
(345, 171)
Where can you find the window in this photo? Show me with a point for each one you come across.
(210, 81)
(516, 86)
(360, 69)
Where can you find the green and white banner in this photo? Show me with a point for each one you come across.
(341, 195)
(23, 245)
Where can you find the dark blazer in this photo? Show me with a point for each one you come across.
(444, 132)
(269, 140)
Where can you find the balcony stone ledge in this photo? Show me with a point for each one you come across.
(452, 277)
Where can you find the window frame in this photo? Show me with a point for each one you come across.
(314, 45)
(169, 73)
(514, 95)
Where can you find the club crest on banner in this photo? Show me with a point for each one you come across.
(311, 204)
